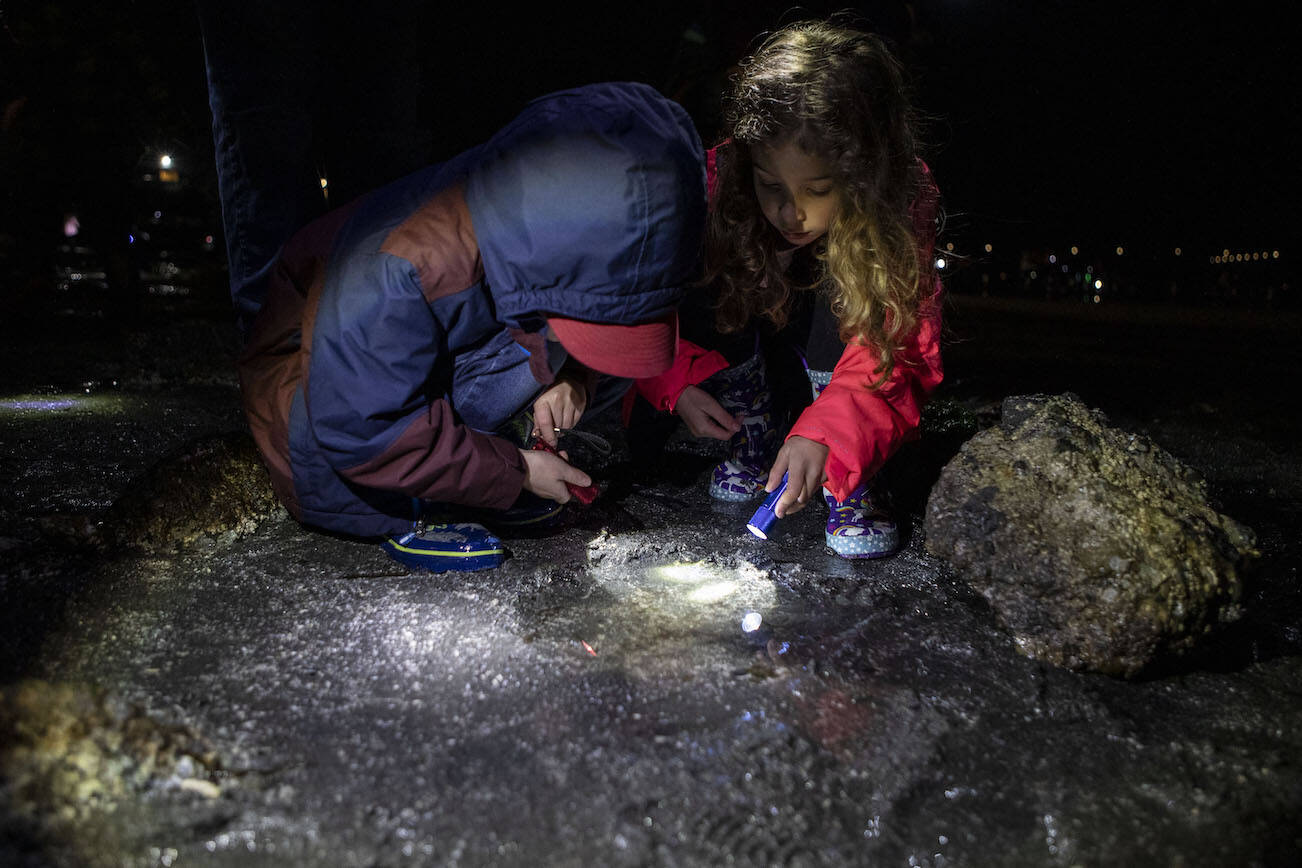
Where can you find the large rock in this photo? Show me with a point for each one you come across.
(73, 756)
(1095, 548)
(209, 487)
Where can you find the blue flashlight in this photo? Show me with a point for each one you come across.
(763, 518)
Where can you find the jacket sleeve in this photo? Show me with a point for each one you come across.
(862, 427)
(692, 364)
(374, 345)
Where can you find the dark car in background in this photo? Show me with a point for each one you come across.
(159, 252)
(81, 282)
(175, 253)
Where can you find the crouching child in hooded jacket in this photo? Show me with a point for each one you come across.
(538, 271)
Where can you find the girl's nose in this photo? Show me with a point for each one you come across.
(791, 213)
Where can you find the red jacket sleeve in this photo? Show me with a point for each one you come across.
(862, 427)
(692, 364)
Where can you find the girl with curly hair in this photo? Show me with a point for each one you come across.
(820, 238)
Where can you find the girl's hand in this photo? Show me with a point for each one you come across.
(559, 407)
(803, 461)
(704, 416)
(545, 475)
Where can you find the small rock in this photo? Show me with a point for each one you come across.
(207, 789)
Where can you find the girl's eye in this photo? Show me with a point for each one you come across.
(820, 192)
(769, 185)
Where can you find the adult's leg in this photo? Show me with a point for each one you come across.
(262, 62)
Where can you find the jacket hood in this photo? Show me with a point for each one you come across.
(590, 204)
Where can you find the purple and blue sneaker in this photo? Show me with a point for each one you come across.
(736, 482)
(743, 391)
(858, 528)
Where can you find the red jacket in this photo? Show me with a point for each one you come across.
(861, 427)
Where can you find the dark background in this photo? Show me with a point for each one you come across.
(1142, 125)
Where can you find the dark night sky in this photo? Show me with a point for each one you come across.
(1144, 123)
(1159, 121)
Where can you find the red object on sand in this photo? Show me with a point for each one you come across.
(583, 494)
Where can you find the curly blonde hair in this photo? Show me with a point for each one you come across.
(841, 95)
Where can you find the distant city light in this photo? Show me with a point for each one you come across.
(950, 247)
(1120, 250)
(324, 183)
(1075, 250)
(1098, 284)
(1052, 258)
(940, 262)
(1179, 252)
(989, 247)
(165, 161)
(1275, 255)
(71, 226)
(1097, 299)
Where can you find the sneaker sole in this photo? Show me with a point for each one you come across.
(442, 562)
(862, 556)
(731, 496)
(859, 552)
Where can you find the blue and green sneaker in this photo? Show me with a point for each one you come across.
(461, 547)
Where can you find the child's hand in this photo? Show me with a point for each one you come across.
(802, 460)
(704, 416)
(545, 475)
(558, 407)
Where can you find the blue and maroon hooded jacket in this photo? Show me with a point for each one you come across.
(590, 204)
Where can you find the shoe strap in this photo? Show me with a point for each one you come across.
(596, 441)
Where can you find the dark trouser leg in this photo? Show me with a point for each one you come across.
(260, 86)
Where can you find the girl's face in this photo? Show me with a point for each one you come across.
(795, 190)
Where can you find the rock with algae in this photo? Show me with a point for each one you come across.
(211, 486)
(70, 751)
(1095, 548)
